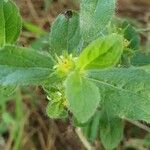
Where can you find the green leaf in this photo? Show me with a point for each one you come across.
(102, 53)
(125, 92)
(56, 110)
(65, 33)
(111, 131)
(23, 66)
(95, 15)
(6, 91)
(10, 24)
(131, 35)
(91, 129)
(140, 59)
(82, 103)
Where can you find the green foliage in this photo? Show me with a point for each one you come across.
(91, 129)
(125, 92)
(88, 82)
(106, 127)
(10, 24)
(10, 27)
(41, 43)
(23, 66)
(65, 34)
(95, 15)
(131, 35)
(140, 59)
(146, 68)
(82, 103)
(102, 53)
(56, 110)
(6, 91)
(111, 131)
(56, 107)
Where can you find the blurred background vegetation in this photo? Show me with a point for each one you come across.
(23, 121)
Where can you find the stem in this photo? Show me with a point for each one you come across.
(3, 105)
(143, 30)
(140, 125)
(19, 105)
(19, 137)
(138, 144)
(87, 145)
(19, 125)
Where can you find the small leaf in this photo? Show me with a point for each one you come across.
(131, 35)
(56, 110)
(91, 129)
(82, 95)
(111, 131)
(124, 91)
(23, 66)
(65, 34)
(95, 15)
(7, 91)
(102, 53)
(10, 24)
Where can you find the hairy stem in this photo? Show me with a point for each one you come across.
(140, 125)
(87, 145)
